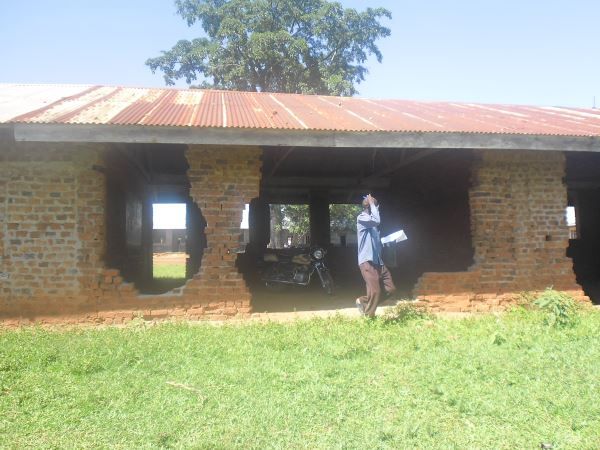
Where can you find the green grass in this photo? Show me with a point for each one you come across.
(176, 271)
(498, 383)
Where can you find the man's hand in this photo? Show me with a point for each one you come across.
(370, 199)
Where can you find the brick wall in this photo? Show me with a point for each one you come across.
(4, 179)
(46, 217)
(52, 237)
(519, 234)
(41, 232)
(222, 182)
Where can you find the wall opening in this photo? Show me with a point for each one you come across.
(245, 227)
(583, 219)
(424, 192)
(342, 224)
(431, 203)
(169, 245)
(154, 230)
(290, 226)
(571, 217)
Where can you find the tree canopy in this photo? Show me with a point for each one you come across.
(343, 218)
(297, 46)
(293, 218)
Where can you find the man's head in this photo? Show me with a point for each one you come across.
(367, 200)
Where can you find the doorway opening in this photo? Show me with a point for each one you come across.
(169, 245)
(425, 192)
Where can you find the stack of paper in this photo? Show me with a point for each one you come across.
(397, 236)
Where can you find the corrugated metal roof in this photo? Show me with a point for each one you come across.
(110, 105)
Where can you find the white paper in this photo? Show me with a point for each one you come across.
(397, 236)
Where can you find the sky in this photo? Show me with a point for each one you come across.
(172, 216)
(537, 52)
(169, 216)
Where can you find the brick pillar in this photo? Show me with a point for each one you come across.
(4, 274)
(91, 223)
(223, 180)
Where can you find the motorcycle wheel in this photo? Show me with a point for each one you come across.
(328, 283)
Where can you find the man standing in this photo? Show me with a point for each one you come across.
(369, 257)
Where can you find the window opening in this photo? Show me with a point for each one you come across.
(245, 226)
(571, 217)
(290, 226)
(342, 224)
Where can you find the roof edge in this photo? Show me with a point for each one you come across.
(299, 138)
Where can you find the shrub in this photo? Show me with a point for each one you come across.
(405, 311)
(526, 300)
(560, 309)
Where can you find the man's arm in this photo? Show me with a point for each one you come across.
(370, 220)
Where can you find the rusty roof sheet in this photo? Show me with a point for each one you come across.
(112, 105)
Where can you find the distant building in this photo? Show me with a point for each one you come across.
(164, 241)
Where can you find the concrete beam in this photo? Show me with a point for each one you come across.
(170, 179)
(293, 138)
(405, 161)
(302, 196)
(281, 160)
(325, 182)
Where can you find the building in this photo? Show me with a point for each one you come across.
(481, 191)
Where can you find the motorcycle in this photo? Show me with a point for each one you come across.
(296, 270)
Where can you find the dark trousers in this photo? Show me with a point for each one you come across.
(374, 274)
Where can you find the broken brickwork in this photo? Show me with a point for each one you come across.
(52, 237)
(519, 234)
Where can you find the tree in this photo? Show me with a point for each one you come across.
(343, 218)
(297, 46)
(293, 218)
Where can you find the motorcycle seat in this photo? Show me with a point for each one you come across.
(301, 259)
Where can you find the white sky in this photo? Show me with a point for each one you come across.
(171, 216)
(570, 216)
(244, 225)
(540, 52)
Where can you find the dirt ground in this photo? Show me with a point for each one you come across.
(294, 302)
(311, 298)
(169, 258)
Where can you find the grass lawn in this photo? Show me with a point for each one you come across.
(176, 271)
(497, 383)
